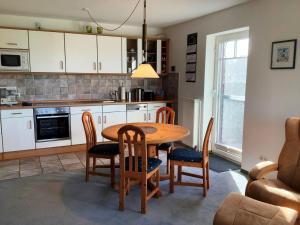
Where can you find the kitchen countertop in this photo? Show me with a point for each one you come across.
(69, 103)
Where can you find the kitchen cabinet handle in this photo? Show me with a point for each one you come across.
(94, 66)
(30, 125)
(61, 65)
(149, 117)
(100, 66)
(99, 119)
(18, 113)
(10, 43)
(145, 117)
(104, 119)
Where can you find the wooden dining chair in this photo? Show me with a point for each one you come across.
(94, 150)
(165, 115)
(191, 158)
(136, 165)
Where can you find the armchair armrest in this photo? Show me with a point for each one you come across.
(262, 169)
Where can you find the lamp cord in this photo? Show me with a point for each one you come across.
(118, 27)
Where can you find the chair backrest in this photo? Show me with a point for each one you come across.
(289, 159)
(165, 115)
(206, 139)
(134, 138)
(89, 129)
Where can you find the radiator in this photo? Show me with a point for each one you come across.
(191, 119)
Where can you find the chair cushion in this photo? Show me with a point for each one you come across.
(165, 146)
(274, 192)
(186, 155)
(105, 149)
(153, 163)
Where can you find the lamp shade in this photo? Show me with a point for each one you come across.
(144, 71)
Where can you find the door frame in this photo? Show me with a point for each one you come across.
(230, 153)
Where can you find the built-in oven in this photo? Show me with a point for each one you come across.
(52, 124)
(14, 60)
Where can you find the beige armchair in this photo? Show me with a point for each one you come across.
(285, 190)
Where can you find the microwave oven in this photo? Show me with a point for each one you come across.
(14, 60)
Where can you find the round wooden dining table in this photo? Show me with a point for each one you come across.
(156, 133)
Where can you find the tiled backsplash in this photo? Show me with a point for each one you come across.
(54, 86)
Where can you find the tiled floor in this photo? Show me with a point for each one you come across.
(46, 164)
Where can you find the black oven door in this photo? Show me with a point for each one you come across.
(52, 127)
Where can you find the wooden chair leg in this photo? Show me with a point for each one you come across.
(179, 173)
(122, 193)
(144, 196)
(87, 168)
(127, 186)
(207, 169)
(157, 178)
(204, 181)
(112, 172)
(171, 187)
(168, 161)
(94, 164)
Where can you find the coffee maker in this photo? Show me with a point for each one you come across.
(137, 94)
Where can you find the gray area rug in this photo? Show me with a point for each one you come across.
(65, 199)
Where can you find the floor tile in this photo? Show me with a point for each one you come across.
(30, 166)
(10, 165)
(73, 166)
(47, 170)
(30, 160)
(67, 156)
(48, 158)
(54, 163)
(4, 175)
(69, 161)
(28, 173)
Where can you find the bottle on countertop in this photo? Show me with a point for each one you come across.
(122, 92)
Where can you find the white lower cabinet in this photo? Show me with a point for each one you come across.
(77, 130)
(136, 116)
(17, 130)
(113, 114)
(152, 109)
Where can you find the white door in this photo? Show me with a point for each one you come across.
(81, 53)
(11, 38)
(18, 134)
(109, 54)
(113, 118)
(230, 86)
(1, 144)
(136, 116)
(47, 51)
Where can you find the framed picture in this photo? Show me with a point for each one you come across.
(284, 54)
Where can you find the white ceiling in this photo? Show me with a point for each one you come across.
(160, 13)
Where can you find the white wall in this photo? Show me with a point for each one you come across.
(70, 25)
(271, 95)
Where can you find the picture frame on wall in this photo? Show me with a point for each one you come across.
(284, 54)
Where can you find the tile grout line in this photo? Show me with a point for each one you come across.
(60, 162)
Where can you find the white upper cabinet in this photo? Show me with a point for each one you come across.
(47, 51)
(10, 38)
(81, 53)
(109, 54)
